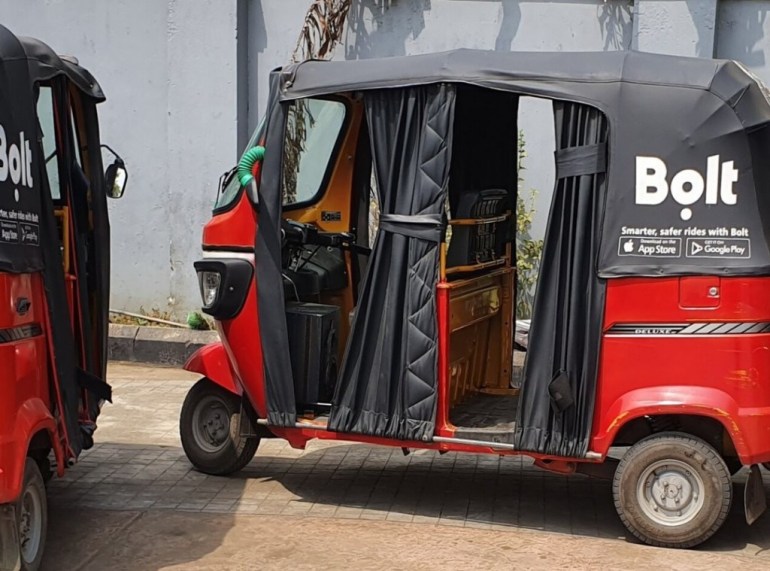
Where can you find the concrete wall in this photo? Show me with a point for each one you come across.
(187, 82)
(675, 28)
(743, 34)
(169, 70)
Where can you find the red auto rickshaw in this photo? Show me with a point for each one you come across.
(651, 324)
(54, 281)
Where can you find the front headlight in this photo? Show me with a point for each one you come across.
(224, 284)
(209, 283)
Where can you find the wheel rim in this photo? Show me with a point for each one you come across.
(670, 493)
(30, 524)
(211, 424)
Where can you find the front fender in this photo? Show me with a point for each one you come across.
(670, 400)
(211, 361)
(32, 417)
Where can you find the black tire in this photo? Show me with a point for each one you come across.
(733, 464)
(660, 472)
(32, 518)
(44, 464)
(208, 429)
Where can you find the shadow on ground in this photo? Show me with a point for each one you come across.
(147, 492)
(472, 491)
(107, 507)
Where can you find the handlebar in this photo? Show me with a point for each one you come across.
(301, 234)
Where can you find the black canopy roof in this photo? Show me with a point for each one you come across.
(681, 113)
(45, 64)
(552, 71)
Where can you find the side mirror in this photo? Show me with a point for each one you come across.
(116, 178)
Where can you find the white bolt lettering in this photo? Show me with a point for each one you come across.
(729, 177)
(650, 174)
(15, 160)
(14, 163)
(687, 186)
(712, 179)
(680, 183)
(3, 157)
(28, 159)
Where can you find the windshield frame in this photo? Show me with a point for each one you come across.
(222, 203)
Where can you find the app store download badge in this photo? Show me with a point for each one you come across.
(650, 247)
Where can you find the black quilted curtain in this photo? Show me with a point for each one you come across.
(559, 390)
(387, 384)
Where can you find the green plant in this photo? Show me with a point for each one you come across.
(528, 250)
(196, 321)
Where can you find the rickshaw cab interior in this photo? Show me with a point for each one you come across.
(332, 213)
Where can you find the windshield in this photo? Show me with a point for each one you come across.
(231, 187)
(313, 128)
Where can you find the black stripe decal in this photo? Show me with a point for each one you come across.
(18, 333)
(703, 328)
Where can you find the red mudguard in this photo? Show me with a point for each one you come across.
(211, 361)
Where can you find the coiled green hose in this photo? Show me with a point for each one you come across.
(247, 162)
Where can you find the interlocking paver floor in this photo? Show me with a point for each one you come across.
(138, 475)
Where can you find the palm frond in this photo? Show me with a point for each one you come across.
(322, 29)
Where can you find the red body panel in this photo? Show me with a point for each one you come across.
(725, 377)
(233, 228)
(227, 234)
(242, 341)
(25, 403)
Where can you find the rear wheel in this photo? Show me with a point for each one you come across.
(672, 490)
(31, 512)
(208, 426)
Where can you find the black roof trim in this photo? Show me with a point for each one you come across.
(45, 64)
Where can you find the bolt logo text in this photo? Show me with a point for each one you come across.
(687, 186)
(15, 160)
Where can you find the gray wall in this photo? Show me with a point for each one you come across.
(169, 70)
(743, 34)
(187, 81)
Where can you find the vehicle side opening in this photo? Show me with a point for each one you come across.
(451, 198)
(320, 257)
(478, 263)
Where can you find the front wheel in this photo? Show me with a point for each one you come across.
(208, 426)
(672, 490)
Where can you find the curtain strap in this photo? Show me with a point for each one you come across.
(578, 161)
(421, 226)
